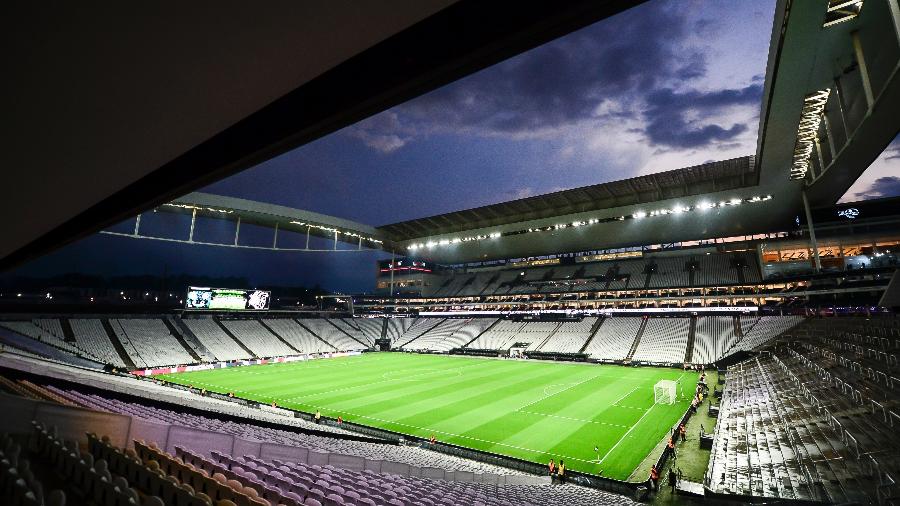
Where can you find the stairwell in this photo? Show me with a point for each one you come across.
(594, 329)
(277, 336)
(192, 339)
(490, 282)
(347, 333)
(384, 327)
(236, 340)
(689, 351)
(180, 338)
(738, 331)
(481, 333)
(114, 339)
(637, 339)
(68, 333)
(317, 336)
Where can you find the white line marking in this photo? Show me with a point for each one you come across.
(626, 434)
(573, 419)
(572, 385)
(436, 431)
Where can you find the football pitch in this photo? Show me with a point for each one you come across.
(532, 410)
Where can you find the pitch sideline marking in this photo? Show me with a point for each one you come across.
(456, 435)
(573, 419)
(632, 427)
(386, 380)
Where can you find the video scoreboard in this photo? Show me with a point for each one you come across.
(228, 299)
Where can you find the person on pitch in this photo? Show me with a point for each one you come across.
(561, 473)
(551, 466)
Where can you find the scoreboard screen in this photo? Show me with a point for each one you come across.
(227, 299)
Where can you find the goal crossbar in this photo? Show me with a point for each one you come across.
(664, 392)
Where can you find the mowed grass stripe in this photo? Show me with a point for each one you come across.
(525, 409)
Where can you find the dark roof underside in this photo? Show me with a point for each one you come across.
(705, 178)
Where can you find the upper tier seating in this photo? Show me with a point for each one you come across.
(663, 340)
(614, 338)
(257, 338)
(654, 271)
(570, 336)
(219, 343)
(149, 343)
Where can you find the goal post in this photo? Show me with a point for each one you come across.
(664, 392)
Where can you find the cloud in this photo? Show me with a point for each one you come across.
(678, 120)
(603, 67)
(381, 132)
(887, 186)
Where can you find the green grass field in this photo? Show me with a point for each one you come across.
(527, 409)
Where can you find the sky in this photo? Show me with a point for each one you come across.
(881, 179)
(665, 85)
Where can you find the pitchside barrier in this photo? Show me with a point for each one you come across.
(240, 363)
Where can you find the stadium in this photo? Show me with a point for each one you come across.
(720, 331)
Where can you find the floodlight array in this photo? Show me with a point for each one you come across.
(839, 11)
(338, 231)
(637, 215)
(807, 132)
(200, 208)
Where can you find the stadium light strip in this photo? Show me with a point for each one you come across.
(839, 11)
(198, 208)
(808, 131)
(331, 229)
(701, 206)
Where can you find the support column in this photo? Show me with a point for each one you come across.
(392, 272)
(895, 17)
(359, 246)
(137, 225)
(307, 236)
(812, 232)
(275, 239)
(237, 231)
(335, 240)
(863, 69)
(830, 137)
(193, 221)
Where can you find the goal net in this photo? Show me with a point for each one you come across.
(664, 392)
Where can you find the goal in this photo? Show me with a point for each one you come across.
(664, 392)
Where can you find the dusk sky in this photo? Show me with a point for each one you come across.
(662, 86)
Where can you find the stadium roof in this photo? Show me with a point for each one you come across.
(700, 179)
(108, 118)
(833, 50)
(270, 215)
